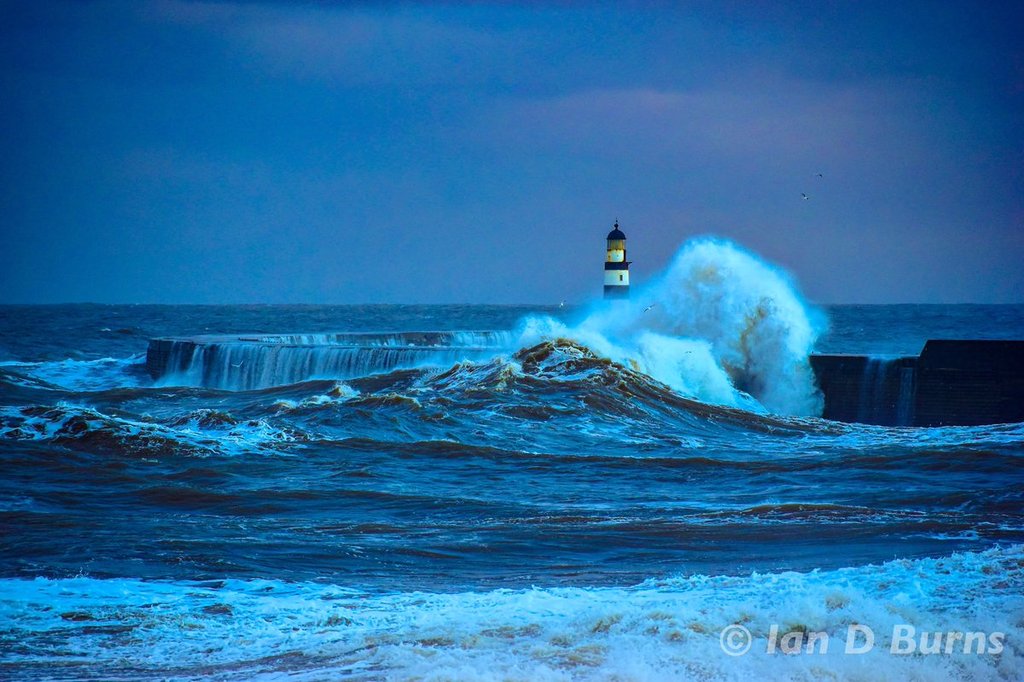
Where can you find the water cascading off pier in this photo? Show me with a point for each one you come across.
(249, 362)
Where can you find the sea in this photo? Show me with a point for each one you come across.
(583, 499)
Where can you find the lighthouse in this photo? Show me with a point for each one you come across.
(616, 267)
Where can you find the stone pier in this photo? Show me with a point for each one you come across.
(950, 383)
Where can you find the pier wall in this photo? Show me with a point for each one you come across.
(952, 383)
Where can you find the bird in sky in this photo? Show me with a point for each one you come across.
(562, 304)
(649, 307)
(804, 196)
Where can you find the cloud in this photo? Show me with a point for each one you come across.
(347, 45)
(764, 117)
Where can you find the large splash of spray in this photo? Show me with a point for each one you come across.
(719, 325)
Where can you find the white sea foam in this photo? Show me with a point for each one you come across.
(719, 324)
(661, 629)
(84, 375)
(197, 433)
(338, 394)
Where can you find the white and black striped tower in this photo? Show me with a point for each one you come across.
(616, 267)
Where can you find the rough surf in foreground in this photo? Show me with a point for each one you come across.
(658, 630)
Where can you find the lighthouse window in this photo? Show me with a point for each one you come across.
(620, 278)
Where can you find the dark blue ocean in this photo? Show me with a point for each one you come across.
(567, 506)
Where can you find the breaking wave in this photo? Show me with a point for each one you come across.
(719, 325)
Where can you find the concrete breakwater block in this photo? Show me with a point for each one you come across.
(970, 383)
(952, 383)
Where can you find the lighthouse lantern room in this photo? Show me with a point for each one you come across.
(616, 267)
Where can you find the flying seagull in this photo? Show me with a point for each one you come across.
(239, 364)
(562, 304)
(804, 195)
(649, 307)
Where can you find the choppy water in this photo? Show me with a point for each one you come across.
(539, 512)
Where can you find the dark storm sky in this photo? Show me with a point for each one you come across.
(173, 151)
